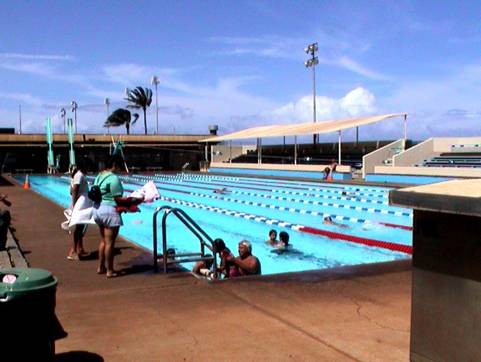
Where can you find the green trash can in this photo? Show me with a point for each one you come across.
(27, 313)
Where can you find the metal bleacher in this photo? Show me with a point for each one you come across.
(468, 156)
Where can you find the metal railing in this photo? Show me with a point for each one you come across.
(204, 239)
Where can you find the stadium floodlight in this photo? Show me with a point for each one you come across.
(63, 113)
(311, 63)
(107, 104)
(155, 81)
(74, 110)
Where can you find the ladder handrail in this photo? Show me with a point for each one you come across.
(189, 223)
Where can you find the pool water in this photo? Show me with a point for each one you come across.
(375, 232)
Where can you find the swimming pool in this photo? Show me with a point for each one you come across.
(377, 232)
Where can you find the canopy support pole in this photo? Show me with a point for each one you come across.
(339, 149)
(211, 153)
(357, 135)
(206, 150)
(405, 127)
(230, 151)
(259, 151)
(295, 150)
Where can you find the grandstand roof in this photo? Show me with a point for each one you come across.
(302, 128)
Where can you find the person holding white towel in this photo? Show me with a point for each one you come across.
(79, 192)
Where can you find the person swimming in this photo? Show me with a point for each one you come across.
(223, 190)
(329, 221)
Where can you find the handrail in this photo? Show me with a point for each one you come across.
(189, 223)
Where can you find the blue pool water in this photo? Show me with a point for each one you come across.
(254, 206)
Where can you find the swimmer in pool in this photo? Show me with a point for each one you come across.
(328, 221)
(272, 238)
(222, 191)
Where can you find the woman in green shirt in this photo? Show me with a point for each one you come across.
(106, 215)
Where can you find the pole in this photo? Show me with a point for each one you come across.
(295, 150)
(259, 152)
(157, 108)
(206, 152)
(339, 149)
(357, 135)
(314, 101)
(107, 103)
(230, 151)
(20, 118)
(405, 127)
(75, 115)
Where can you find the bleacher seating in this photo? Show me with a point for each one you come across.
(455, 159)
(322, 153)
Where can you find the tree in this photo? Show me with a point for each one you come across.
(121, 117)
(140, 98)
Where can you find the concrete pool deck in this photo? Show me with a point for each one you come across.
(328, 316)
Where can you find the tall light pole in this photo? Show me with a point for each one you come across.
(107, 104)
(62, 115)
(20, 119)
(74, 110)
(155, 81)
(311, 63)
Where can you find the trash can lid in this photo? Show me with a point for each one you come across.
(19, 281)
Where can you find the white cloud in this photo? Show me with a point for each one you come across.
(291, 48)
(355, 67)
(357, 102)
(23, 98)
(36, 56)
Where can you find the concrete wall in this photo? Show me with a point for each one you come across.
(430, 148)
(274, 166)
(415, 154)
(429, 171)
(223, 153)
(446, 295)
(377, 157)
(444, 144)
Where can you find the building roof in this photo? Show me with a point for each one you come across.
(299, 129)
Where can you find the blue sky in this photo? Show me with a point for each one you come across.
(239, 64)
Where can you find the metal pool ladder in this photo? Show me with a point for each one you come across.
(204, 239)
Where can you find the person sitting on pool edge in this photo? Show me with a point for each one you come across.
(245, 263)
(327, 176)
(328, 221)
(272, 238)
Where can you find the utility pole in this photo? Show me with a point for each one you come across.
(20, 118)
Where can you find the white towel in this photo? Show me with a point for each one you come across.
(81, 214)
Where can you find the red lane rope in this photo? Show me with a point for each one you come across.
(397, 226)
(358, 240)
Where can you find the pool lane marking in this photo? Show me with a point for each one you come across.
(314, 213)
(302, 211)
(297, 227)
(320, 189)
(362, 200)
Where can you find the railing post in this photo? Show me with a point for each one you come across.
(156, 265)
(164, 241)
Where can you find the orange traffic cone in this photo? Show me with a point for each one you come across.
(26, 184)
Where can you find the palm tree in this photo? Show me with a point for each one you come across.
(121, 117)
(140, 98)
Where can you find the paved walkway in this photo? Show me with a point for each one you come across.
(141, 316)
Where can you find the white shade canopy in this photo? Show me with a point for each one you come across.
(306, 128)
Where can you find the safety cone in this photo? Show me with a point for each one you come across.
(26, 184)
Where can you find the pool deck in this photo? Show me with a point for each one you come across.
(141, 316)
